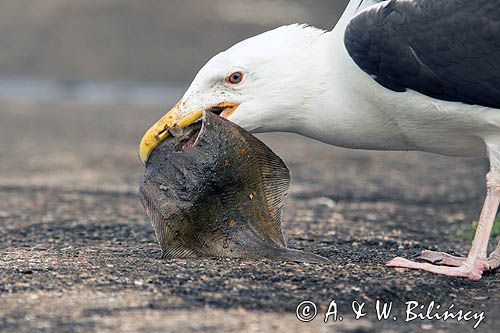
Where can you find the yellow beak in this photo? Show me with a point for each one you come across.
(172, 121)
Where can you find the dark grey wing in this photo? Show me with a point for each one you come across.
(446, 49)
(363, 4)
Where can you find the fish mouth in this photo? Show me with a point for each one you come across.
(173, 123)
(191, 138)
(185, 138)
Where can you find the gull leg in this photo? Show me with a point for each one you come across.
(493, 262)
(440, 258)
(473, 266)
(445, 259)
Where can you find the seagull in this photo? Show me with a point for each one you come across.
(399, 75)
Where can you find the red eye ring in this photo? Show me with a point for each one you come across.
(235, 78)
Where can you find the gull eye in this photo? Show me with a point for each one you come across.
(234, 78)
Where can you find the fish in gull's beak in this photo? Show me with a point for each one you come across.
(174, 121)
(217, 191)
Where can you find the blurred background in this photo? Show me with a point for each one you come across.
(148, 41)
(81, 81)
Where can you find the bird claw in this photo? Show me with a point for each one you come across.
(473, 272)
(440, 258)
(492, 264)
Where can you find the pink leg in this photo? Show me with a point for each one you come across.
(475, 263)
(493, 262)
(445, 259)
(440, 258)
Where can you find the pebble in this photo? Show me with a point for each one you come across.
(39, 247)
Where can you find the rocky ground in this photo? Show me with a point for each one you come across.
(77, 252)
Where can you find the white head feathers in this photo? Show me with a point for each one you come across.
(280, 68)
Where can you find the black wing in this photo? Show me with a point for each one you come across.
(365, 3)
(446, 49)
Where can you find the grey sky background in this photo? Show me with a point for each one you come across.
(129, 40)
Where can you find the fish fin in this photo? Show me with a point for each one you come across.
(177, 250)
(263, 249)
(302, 256)
(170, 244)
(276, 181)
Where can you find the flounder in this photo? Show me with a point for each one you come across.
(218, 191)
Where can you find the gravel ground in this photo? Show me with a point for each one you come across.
(77, 252)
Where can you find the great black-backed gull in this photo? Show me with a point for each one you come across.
(392, 75)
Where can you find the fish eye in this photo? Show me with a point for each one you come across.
(235, 78)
